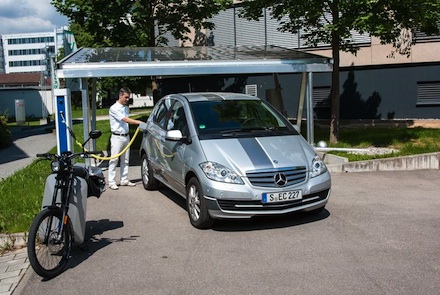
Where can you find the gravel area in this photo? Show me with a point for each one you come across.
(374, 151)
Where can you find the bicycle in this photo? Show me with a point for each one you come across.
(61, 223)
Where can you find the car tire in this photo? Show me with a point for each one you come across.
(148, 180)
(196, 205)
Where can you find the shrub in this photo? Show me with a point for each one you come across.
(5, 133)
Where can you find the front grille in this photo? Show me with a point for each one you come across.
(266, 178)
(239, 205)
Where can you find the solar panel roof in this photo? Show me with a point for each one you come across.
(199, 60)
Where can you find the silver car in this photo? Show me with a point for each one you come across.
(231, 155)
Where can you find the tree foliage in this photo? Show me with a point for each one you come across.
(134, 23)
(332, 22)
(121, 23)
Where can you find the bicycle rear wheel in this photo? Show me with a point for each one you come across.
(49, 243)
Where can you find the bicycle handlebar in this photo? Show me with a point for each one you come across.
(85, 154)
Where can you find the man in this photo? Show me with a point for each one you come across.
(119, 126)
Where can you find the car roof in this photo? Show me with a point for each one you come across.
(213, 96)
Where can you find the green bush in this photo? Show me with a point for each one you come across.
(5, 133)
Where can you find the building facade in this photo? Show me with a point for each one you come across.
(376, 83)
(32, 55)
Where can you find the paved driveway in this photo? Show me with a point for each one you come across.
(380, 235)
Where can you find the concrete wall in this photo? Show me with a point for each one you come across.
(37, 103)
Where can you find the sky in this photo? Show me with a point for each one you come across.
(29, 16)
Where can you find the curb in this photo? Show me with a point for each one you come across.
(12, 241)
(429, 161)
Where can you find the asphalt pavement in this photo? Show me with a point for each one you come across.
(27, 142)
(379, 235)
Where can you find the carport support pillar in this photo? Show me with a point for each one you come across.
(86, 114)
(309, 95)
(93, 119)
(302, 95)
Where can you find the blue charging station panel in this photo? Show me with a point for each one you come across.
(61, 117)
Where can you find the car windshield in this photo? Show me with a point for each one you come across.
(238, 118)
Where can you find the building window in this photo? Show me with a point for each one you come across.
(428, 93)
(251, 89)
(420, 36)
(321, 102)
(321, 97)
(26, 63)
(31, 40)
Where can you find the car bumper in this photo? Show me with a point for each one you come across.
(223, 208)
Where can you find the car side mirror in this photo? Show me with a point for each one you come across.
(176, 135)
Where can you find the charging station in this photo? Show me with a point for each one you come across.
(63, 117)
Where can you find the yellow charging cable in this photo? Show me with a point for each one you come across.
(161, 152)
(115, 156)
(125, 149)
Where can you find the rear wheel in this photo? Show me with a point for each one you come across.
(49, 243)
(196, 205)
(148, 180)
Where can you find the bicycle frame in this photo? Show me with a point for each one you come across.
(70, 194)
(63, 185)
(62, 221)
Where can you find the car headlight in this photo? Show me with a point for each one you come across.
(318, 167)
(218, 172)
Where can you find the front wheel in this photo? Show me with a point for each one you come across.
(49, 243)
(148, 180)
(196, 205)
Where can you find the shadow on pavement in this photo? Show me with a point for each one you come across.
(254, 223)
(93, 243)
(26, 131)
(268, 222)
(15, 151)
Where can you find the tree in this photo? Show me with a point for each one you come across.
(101, 23)
(332, 21)
(136, 23)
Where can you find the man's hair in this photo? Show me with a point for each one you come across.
(124, 90)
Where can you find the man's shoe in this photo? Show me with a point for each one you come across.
(127, 183)
(113, 186)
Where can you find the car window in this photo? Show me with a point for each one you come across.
(177, 119)
(215, 118)
(162, 112)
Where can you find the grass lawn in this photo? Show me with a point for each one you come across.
(21, 194)
(408, 141)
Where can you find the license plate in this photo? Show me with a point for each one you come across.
(282, 196)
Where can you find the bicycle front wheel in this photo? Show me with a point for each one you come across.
(49, 243)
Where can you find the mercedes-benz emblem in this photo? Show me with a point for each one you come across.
(280, 179)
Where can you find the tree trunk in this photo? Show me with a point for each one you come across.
(152, 43)
(335, 99)
(155, 90)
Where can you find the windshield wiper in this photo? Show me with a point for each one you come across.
(232, 132)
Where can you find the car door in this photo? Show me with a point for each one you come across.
(175, 150)
(156, 136)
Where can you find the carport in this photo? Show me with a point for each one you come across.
(92, 63)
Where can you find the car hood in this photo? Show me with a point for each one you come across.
(247, 154)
